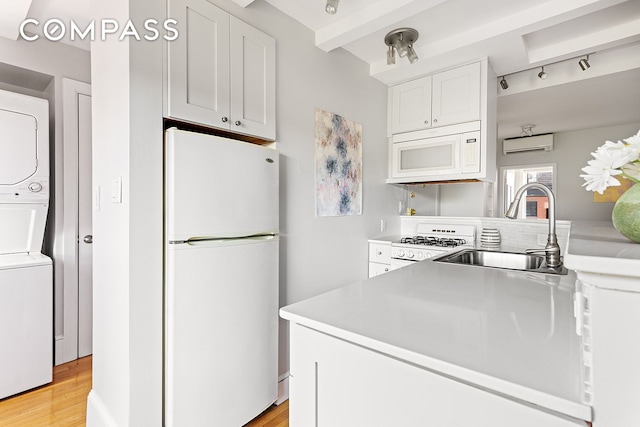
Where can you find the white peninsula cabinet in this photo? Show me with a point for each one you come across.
(436, 344)
(221, 71)
(379, 257)
(334, 383)
(608, 309)
(445, 98)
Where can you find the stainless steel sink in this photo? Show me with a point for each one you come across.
(497, 259)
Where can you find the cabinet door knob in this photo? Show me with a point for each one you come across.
(426, 122)
(435, 120)
(225, 120)
(238, 123)
(88, 238)
(386, 269)
(379, 252)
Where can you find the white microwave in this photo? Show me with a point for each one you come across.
(448, 152)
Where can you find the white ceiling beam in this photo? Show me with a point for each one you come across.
(243, 3)
(12, 13)
(624, 33)
(372, 18)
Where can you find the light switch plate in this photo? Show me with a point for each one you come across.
(116, 190)
(96, 198)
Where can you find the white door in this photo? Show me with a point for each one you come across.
(219, 187)
(253, 76)
(72, 256)
(221, 345)
(456, 95)
(85, 233)
(411, 105)
(198, 88)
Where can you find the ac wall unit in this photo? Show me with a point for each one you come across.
(528, 143)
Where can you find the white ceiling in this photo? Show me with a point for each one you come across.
(515, 35)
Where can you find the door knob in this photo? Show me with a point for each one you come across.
(88, 238)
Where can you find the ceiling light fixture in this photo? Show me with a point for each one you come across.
(542, 75)
(504, 84)
(332, 6)
(402, 41)
(584, 63)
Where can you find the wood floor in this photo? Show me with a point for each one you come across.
(63, 403)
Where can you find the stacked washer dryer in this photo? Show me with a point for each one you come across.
(26, 279)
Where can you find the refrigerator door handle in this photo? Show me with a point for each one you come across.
(201, 241)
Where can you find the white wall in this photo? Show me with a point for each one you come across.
(127, 146)
(41, 61)
(317, 254)
(572, 151)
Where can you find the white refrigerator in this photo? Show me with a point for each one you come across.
(221, 280)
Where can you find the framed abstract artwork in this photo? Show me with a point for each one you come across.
(338, 157)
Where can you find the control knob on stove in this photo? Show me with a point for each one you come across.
(410, 254)
(400, 252)
(420, 255)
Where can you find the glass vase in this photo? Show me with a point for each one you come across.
(626, 214)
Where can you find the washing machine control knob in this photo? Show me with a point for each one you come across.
(35, 187)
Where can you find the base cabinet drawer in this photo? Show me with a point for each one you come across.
(376, 269)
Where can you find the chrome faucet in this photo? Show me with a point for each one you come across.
(552, 249)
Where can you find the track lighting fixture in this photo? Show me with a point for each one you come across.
(402, 41)
(332, 6)
(584, 63)
(542, 75)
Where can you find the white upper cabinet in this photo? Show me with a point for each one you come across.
(442, 127)
(253, 81)
(410, 105)
(221, 71)
(446, 98)
(456, 96)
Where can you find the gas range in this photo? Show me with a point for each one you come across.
(431, 240)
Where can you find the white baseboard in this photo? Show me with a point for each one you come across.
(97, 414)
(283, 388)
(58, 350)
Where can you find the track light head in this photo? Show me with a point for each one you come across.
(584, 63)
(542, 75)
(504, 84)
(391, 56)
(332, 7)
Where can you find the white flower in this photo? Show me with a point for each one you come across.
(598, 178)
(612, 159)
(633, 140)
(620, 153)
(632, 170)
(633, 144)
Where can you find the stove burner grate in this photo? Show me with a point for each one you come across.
(446, 242)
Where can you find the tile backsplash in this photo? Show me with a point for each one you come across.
(515, 233)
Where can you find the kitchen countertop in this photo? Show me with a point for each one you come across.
(508, 332)
(597, 247)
